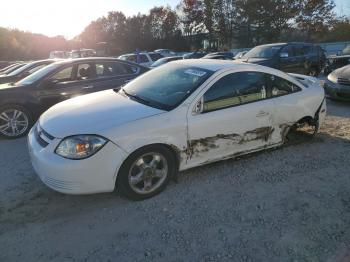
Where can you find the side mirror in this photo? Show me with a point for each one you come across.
(199, 107)
(284, 55)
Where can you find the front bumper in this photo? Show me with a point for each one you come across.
(96, 174)
(337, 91)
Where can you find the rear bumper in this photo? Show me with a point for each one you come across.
(337, 91)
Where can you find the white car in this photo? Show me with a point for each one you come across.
(165, 52)
(145, 58)
(184, 114)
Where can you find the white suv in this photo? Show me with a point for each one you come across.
(145, 58)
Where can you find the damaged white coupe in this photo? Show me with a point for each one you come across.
(178, 116)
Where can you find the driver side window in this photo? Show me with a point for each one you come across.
(235, 89)
(64, 75)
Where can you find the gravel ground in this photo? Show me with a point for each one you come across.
(289, 204)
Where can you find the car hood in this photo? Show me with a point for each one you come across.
(343, 72)
(6, 79)
(8, 86)
(93, 113)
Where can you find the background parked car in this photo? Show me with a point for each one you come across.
(59, 54)
(25, 71)
(165, 60)
(194, 55)
(22, 103)
(11, 68)
(220, 55)
(144, 58)
(82, 53)
(165, 52)
(337, 61)
(240, 55)
(307, 59)
(337, 85)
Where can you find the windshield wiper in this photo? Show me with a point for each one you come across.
(144, 101)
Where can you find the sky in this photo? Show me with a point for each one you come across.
(70, 17)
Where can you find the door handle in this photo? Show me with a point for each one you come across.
(262, 113)
(88, 87)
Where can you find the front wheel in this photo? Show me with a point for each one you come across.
(15, 121)
(146, 172)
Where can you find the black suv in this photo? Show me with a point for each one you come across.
(302, 58)
(21, 103)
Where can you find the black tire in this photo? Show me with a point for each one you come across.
(24, 111)
(122, 183)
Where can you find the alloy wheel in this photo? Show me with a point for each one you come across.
(148, 173)
(13, 122)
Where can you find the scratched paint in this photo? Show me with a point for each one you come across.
(198, 146)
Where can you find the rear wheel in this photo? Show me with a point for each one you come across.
(15, 121)
(303, 131)
(146, 172)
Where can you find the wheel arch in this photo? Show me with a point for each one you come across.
(172, 148)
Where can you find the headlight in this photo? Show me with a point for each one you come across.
(80, 147)
(333, 78)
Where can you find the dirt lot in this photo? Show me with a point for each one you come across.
(289, 204)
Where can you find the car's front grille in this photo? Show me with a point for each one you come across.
(344, 81)
(42, 136)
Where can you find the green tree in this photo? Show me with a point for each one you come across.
(315, 17)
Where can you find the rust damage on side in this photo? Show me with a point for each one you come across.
(197, 146)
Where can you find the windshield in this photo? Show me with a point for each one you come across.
(13, 68)
(21, 69)
(166, 87)
(37, 75)
(263, 52)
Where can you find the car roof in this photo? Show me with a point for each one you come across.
(140, 53)
(289, 43)
(212, 64)
(218, 65)
(90, 59)
(95, 59)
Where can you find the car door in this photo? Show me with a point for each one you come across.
(65, 83)
(235, 118)
(288, 61)
(113, 74)
(300, 56)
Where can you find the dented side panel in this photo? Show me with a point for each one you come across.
(289, 109)
(221, 133)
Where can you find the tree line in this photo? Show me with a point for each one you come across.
(221, 24)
